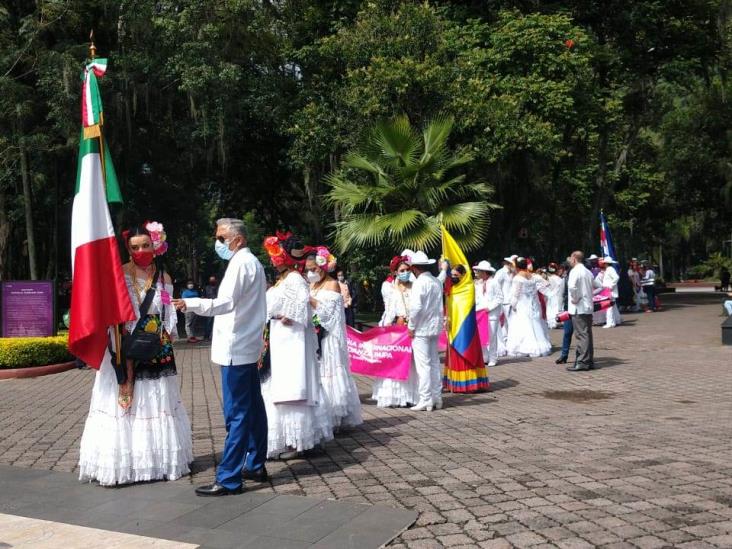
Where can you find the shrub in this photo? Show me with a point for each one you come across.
(22, 352)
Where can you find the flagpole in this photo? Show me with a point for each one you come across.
(117, 332)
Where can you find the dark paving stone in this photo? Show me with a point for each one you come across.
(220, 511)
(318, 521)
(372, 528)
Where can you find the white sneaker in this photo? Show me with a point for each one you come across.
(608, 326)
(491, 364)
(425, 406)
(288, 455)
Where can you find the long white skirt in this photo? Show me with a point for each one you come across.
(527, 336)
(298, 426)
(393, 393)
(335, 375)
(149, 441)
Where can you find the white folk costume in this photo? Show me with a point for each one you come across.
(426, 321)
(393, 392)
(527, 333)
(598, 317)
(489, 298)
(504, 278)
(554, 299)
(335, 364)
(298, 411)
(610, 280)
(150, 440)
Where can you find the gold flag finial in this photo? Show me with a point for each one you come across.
(92, 47)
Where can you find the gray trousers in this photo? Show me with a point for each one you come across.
(583, 336)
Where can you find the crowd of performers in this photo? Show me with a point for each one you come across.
(138, 429)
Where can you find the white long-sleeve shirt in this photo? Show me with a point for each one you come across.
(610, 280)
(504, 278)
(649, 278)
(240, 310)
(488, 295)
(580, 287)
(425, 306)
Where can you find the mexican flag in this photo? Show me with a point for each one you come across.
(99, 297)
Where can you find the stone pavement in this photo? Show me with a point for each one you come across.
(635, 454)
(159, 513)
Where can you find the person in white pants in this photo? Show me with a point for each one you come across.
(610, 280)
(504, 279)
(425, 324)
(489, 297)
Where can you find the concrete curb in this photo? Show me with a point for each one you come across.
(36, 371)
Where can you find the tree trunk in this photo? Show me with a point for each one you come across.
(4, 233)
(30, 235)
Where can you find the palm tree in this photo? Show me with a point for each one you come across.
(398, 187)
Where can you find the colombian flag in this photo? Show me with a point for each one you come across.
(465, 371)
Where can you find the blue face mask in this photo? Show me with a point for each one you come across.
(222, 249)
(404, 277)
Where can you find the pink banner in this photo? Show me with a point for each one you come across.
(380, 352)
(484, 330)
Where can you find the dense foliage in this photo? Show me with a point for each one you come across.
(249, 107)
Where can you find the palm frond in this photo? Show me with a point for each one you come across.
(397, 141)
(435, 136)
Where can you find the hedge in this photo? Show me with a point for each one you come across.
(22, 352)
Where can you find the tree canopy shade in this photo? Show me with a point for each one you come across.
(246, 107)
(399, 186)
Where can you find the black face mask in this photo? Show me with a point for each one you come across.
(455, 279)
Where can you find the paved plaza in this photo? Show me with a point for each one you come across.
(635, 454)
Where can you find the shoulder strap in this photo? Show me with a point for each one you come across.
(145, 305)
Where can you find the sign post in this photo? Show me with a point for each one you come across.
(28, 308)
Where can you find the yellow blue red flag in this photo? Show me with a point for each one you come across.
(464, 369)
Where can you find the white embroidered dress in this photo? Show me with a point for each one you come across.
(392, 392)
(298, 410)
(527, 332)
(335, 364)
(151, 440)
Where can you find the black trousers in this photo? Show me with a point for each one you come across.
(582, 325)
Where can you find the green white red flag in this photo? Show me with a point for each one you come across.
(99, 296)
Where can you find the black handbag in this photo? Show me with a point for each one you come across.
(140, 345)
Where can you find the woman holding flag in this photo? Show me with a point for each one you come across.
(137, 428)
(465, 370)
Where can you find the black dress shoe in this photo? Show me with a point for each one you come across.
(216, 489)
(576, 368)
(259, 475)
(561, 360)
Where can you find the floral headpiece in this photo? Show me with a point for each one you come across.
(277, 254)
(158, 237)
(396, 260)
(324, 259)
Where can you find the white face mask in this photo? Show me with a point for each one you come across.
(313, 277)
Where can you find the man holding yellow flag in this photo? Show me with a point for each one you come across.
(465, 370)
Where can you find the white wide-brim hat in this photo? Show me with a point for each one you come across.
(420, 258)
(511, 258)
(484, 266)
(608, 259)
(593, 256)
(407, 253)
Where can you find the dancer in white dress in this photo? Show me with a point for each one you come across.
(139, 430)
(335, 364)
(392, 392)
(388, 285)
(553, 295)
(610, 279)
(298, 411)
(527, 333)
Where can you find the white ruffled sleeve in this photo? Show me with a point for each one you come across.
(295, 304)
(330, 311)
